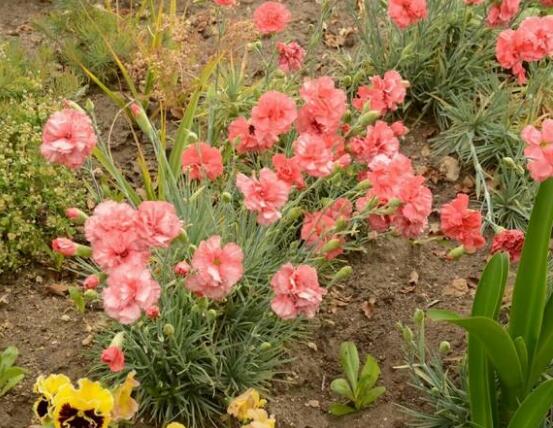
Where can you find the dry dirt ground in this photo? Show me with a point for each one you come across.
(53, 337)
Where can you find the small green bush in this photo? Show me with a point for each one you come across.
(33, 193)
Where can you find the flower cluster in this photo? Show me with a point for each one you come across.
(502, 12)
(384, 94)
(248, 408)
(405, 13)
(62, 405)
(462, 224)
(539, 150)
(532, 41)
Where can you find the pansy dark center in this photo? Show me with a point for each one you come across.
(74, 418)
(42, 407)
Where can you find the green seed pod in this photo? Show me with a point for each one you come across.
(445, 347)
(331, 245)
(168, 330)
(265, 346)
(226, 197)
(418, 318)
(343, 274)
(294, 214)
(407, 334)
(91, 295)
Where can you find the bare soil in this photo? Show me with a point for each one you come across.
(53, 337)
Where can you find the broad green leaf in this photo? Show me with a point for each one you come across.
(11, 381)
(544, 350)
(349, 358)
(76, 296)
(522, 355)
(369, 375)
(371, 396)
(8, 357)
(534, 408)
(341, 387)
(530, 289)
(499, 346)
(337, 409)
(487, 302)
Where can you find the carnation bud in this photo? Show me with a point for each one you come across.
(168, 330)
(141, 119)
(407, 334)
(118, 340)
(265, 346)
(435, 391)
(192, 248)
(72, 105)
(89, 105)
(366, 119)
(91, 295)
(91, 282)
(445, 347)
(153, 312)
(331, 245)
(212, 314)
(456, 253)
(226, 196)
(342, 274)
(347, 81)
(418, 317)
(294, 213)
(182, 268)
(363, 185)
(341, 224)
(83, 251)
(75, 215)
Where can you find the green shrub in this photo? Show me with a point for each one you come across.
(33, 193)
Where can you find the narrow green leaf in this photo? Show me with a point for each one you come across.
(371, 396)
(544, 350)
(522, 355)
(337, 409)
(499, 346)
(530, 289)
(487, 302)
(349, 358)
(341, 387)
(534, 408)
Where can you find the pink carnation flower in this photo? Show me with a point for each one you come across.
(502, 13)
(113, 356)
(288, 170)
(462, 224)
(216, 268)
(182, 268)
(473, 2)
(273, 115)
(131, 290)
(68, 138)
(405, 13)
(265, 195)
(153, 312)
(290, 56)
(226, 3)
(313, 155)
(244, 133)
(325, 105)
(539, 150)
(271, 17)
(109, 217)
(201, 161)
(157, 223)
(91, 282)
(387, 175)
(411, 217)
(380, 140)
(297, 292)
(510, 241)
(384, 93)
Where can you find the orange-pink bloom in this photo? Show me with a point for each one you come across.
(114, 357)
(539, 150)
(384, 93)
(503, 12)
(325, 105)
(64, 246)
(381, 139)
(405, 13)
(216, 268)
(271, 17)
(182, 268)
(288, 170)
(157, 223)
(461, 223)
(201, 161)
(226, 3)
(68, 138)
(290, 56)
(297, 292)
(243, 132)
(411, 217)
(273, 115)
(265, 196)
(313, 155)
(131, 290)
(91, 282)
(510, 241)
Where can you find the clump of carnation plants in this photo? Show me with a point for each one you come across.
(33, 193)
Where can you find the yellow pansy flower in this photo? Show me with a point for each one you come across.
(248, 400)
(124, 406)
(260, 419)
(175, 425)
(89, 405)
(47, 387)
